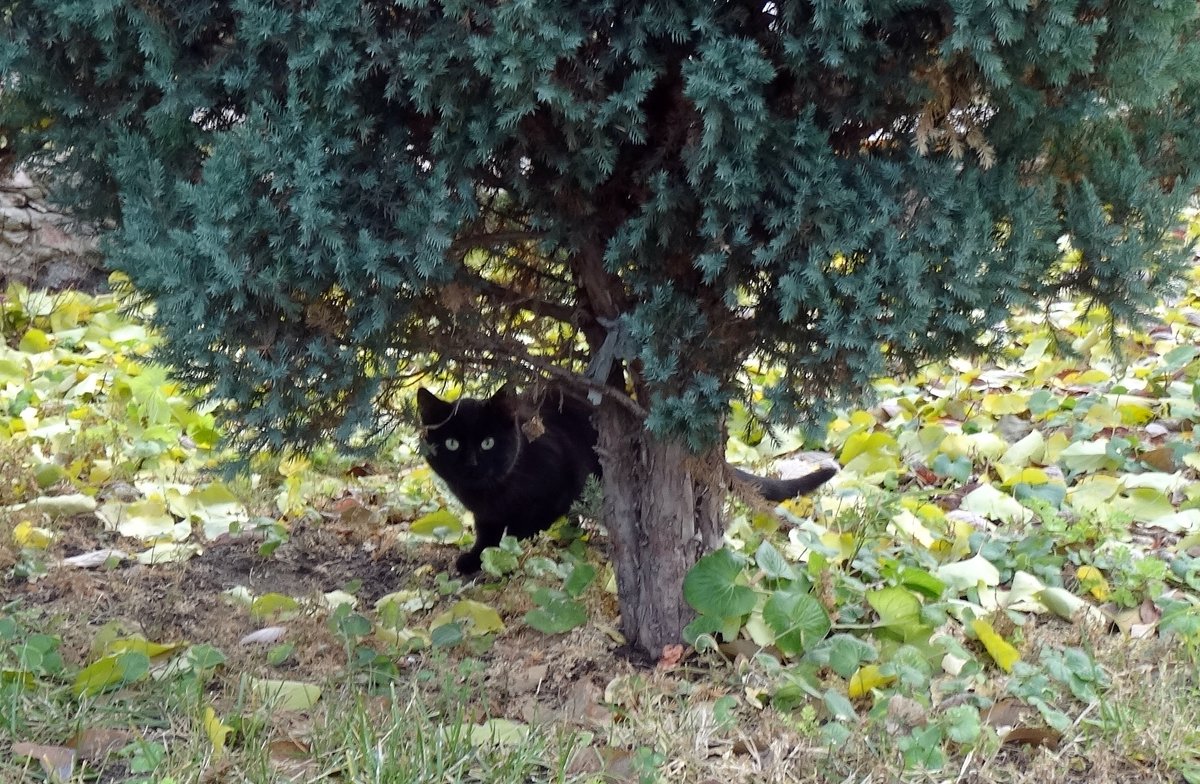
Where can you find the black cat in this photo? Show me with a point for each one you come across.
(521, 482)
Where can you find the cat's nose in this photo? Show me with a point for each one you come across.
(471, 461)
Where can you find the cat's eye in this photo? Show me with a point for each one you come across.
(487, 443)
(452, 444)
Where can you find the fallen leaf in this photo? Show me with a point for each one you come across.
(671, 654)
(58, 762)
(95, 743)
(606, 762)
(1001, 651)
(265, 635)
(216, 730)
(1032, 736)
(95, 558)
(285, 695)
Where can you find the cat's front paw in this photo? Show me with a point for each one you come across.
(468, 563)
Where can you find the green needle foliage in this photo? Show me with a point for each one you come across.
(631, 198)
(315, 193)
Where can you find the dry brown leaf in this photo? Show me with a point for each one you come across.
(528, 679)
(533, 428)
(1033, 736)
(611, 764)
(584, 707)
(58, 762)
(1006, 713)
(95, 743)
(671, 654)
(1161, 459)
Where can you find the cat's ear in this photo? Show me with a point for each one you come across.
(503, 399)
(433, 410)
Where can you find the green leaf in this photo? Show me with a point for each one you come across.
(581, 577)
(270, 604)
(846, 653)
(440, 526)
(481, 618)
(701, 625)
(497, 562)
(922, 582)
(504, 733)
(284, 695)
(798, 620)
(838, 706)
(110, 672)
(710, 586)
(895, 606)
(205, 657)
(447, 634)
(557, 616)
(280, 654)
(773, 564)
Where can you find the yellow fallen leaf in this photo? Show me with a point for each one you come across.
(1001, 651)
(1092, 580)
(286, 695)
(141, 645)
(483, 617)
(26, 534)
(867, 677)
(216, 730)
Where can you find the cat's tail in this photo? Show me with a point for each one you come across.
(783, 489)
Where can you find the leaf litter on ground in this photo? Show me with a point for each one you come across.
(957, 468)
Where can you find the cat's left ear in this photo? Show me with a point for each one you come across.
(502, 398)
(432, 409)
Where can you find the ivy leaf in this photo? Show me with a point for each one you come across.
(556, 616)
(582, 575)
(846, 653)
(441, 526)
(899, 612)
(710, 587)
(773, 564)
(497, 562)
(798, 620)
(480, 618)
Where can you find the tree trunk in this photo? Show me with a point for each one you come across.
(662, 509)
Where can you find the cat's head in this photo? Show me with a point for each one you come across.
(473, 441)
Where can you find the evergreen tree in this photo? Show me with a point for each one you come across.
(318, 194)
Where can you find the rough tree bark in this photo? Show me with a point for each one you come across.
(662, 509)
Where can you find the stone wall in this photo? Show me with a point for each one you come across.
(40, 246)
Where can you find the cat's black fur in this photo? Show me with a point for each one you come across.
(520, 485)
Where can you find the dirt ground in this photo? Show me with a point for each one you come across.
(526, 676)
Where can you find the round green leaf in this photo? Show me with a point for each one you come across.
(711, 586)
(557, 616)
(773, 564)
(441, 526)
(798, 620)
(497, 562)
(581, 577)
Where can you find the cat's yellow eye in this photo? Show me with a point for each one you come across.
(487, 443)
(452, 444)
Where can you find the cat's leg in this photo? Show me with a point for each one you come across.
(487, 534)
